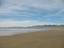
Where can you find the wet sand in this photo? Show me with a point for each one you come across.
(46, 39)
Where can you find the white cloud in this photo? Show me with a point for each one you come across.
(25, 23)
(9, 5)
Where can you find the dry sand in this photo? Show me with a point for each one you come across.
(49, 39)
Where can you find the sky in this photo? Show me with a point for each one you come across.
(31, 12)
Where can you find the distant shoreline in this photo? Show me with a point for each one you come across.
(11, 31)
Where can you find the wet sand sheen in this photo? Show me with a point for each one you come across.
(49, 39)
(7, 32)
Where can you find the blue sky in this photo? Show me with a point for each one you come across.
(31, 12)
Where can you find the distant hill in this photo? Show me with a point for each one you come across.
(36, 26)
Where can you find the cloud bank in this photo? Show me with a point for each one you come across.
(31, 12)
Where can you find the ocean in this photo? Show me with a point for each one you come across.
(8, 32)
